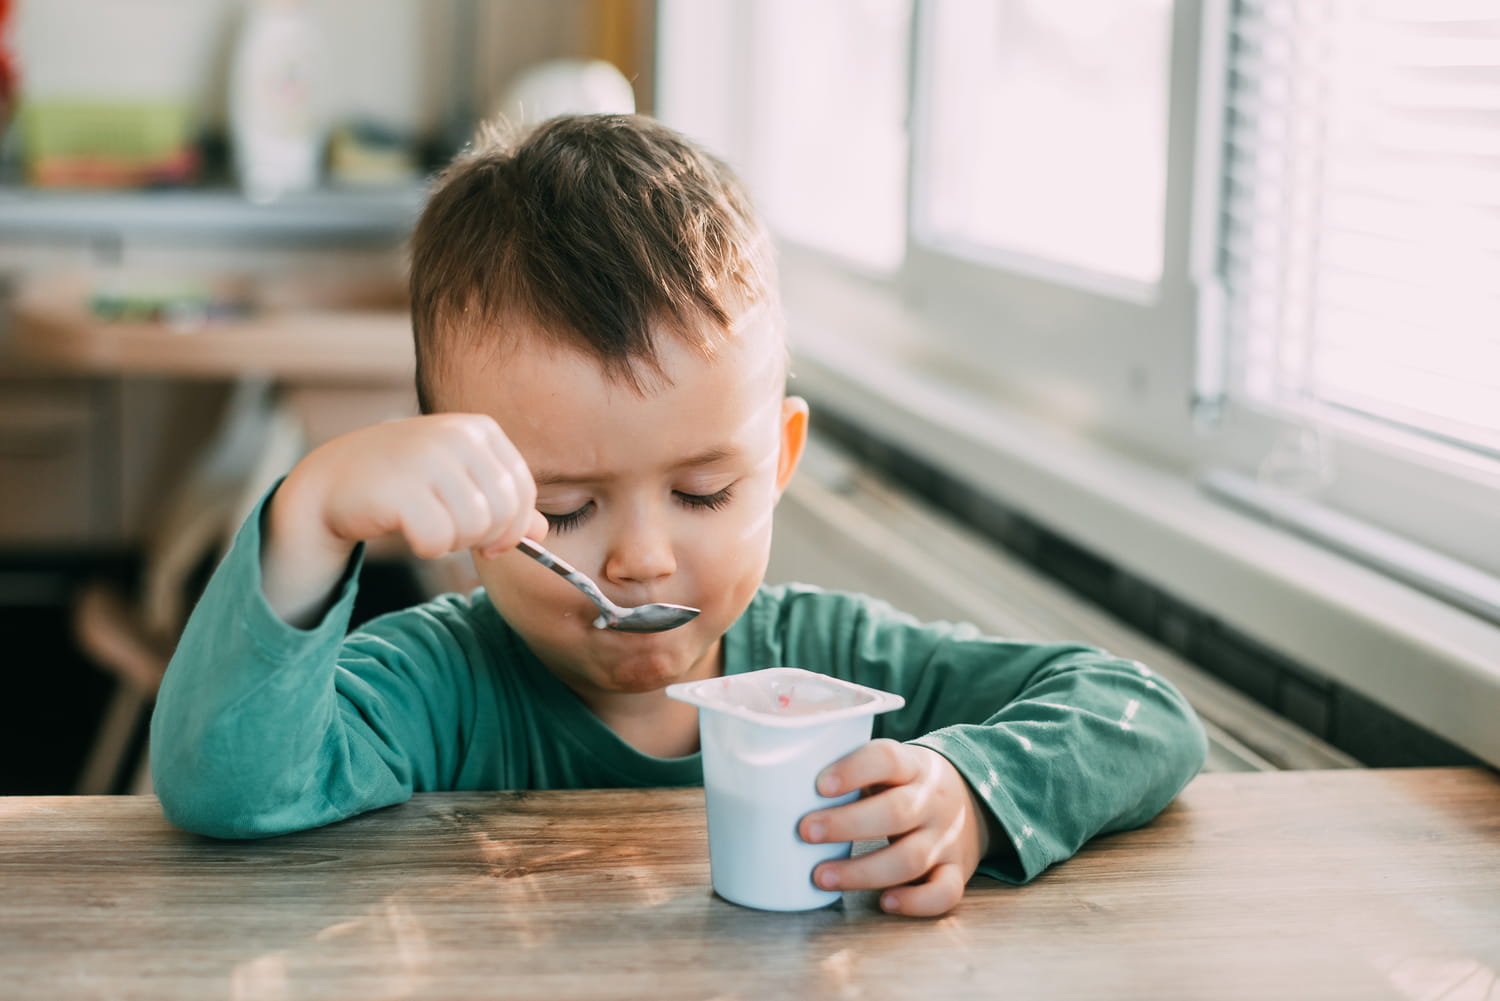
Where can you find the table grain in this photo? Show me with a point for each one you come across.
(1339, 884)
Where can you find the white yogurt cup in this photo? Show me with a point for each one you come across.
(765, 736)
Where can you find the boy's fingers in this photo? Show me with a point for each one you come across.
(887, 814)
(880, 762)
(535, 528)
(523, 516)
(938, 894)
(501, 511)
(504, 451)
(899, 862)
(512, 499)
(426, 526)
(467, 505)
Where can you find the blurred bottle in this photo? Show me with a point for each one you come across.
(275, 131)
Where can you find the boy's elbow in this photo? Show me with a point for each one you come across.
(216, 818)
(218, 809)
(1174, 757)
(1183, 747)
(1192, 738)
(1199, 755)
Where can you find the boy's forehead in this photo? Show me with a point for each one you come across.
(568, 470)
(571, 418)
(467, 380)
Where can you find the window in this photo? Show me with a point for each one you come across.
(1041, 266)
(1360, 261)
(808, 101)
(1046, 131)
(1362, 226)
(1285, 210)
(828, 146)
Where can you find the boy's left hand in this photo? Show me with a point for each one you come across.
(938, 828)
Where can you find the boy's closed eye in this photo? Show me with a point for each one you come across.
(711, 502)
(693, 501)
(570, 519)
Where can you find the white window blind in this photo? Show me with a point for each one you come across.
(1360, 246)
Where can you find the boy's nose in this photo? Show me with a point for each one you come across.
(642, 553)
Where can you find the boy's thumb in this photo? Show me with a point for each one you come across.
(538, 528)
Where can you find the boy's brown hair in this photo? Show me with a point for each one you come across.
(586, 231)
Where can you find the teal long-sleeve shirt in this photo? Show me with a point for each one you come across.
(261, 728)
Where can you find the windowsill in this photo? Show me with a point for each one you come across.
(1419, 657)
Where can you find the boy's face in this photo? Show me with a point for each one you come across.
(661, 497)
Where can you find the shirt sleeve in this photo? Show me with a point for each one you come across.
(261, 728)
(1061, 741)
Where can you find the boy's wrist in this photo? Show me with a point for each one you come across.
(301, 559)
(298, 521)
(984, 822)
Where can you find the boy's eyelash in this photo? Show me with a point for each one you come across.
(706, 502)
(710, 502)
(563, 522)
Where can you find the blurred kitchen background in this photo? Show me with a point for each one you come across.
(1167, 325)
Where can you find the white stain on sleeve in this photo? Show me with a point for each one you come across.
(1131, 708)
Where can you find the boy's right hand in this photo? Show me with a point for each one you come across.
(445, 482)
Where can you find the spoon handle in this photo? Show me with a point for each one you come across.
(563, 569)
(545, 557)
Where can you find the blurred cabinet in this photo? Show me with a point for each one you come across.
(50, 464)
(98, 419)
(83, 459)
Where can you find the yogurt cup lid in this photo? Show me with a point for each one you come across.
(785, 697)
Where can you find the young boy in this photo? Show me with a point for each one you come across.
(600, 363)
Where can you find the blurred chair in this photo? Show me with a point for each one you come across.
(132, 639)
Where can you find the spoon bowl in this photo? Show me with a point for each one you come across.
(653, 618)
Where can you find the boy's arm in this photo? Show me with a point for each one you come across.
(262, 728)
(267, 720)
(1060, 742)
(1088, 744)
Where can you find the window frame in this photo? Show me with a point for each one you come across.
(1156, 384)
(1387, 477)
(1125, 388)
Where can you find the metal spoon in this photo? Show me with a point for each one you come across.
(652, 618)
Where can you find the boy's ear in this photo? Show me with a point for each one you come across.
(793, 438)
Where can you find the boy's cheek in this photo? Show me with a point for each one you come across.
(512, 578)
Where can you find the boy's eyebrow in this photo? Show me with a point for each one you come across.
(548, 478)
(708, 457)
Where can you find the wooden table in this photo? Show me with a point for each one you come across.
(1349, 884)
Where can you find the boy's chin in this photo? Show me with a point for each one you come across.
(630, 672)
(643, 673)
